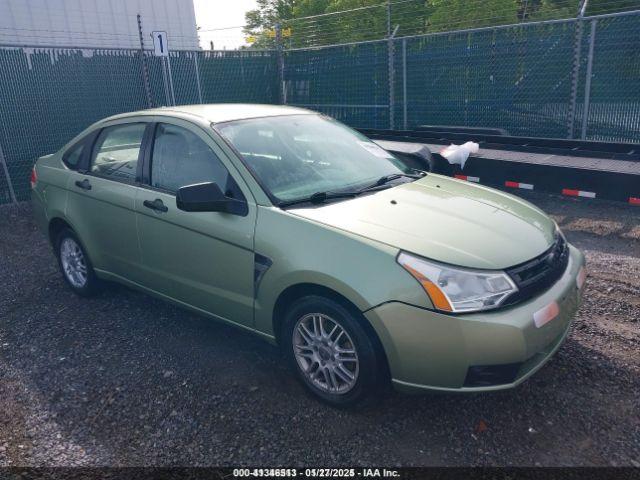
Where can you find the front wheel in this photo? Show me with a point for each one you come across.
(333, 355)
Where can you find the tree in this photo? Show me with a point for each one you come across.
(261, 22)
(326, 22)
(597, 7)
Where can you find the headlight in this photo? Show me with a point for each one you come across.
(454, 289)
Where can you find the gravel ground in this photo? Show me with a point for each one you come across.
(124, 379)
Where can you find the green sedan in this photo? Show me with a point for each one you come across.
(290, 225)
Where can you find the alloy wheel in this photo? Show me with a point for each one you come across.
(73, 262)
(325, 353)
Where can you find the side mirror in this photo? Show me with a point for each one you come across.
(207, 197)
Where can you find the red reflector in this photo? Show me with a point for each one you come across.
(34, 178)
(467, 178)
(526, 186)
(578, 193)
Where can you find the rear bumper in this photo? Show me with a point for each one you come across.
(427, 350)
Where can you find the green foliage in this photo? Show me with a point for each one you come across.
(460, 14)
(597, 7)
(326, 22)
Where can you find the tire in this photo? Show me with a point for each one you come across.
(318, 364)
(75, 265)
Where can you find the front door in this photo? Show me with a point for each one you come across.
(203, 259)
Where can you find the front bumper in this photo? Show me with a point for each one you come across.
(427, 350)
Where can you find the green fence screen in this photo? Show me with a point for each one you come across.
(576, 78)
(48, 95)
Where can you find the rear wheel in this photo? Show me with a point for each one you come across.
(331, 352)
(75, 264)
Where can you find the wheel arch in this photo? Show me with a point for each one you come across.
(56, 225)
(300, 290)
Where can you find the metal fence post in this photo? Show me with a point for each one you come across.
(404, 84)
(143, 61)
(173, 93)
(5, 169)
(392, 70)
(282, 91)
(577, 53)
(195, 62)
(165, 81)
(587, 84)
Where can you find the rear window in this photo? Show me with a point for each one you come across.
(73, 156)
(116, 152)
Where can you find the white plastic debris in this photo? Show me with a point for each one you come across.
(458, 154)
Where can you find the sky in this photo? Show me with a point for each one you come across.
(217, 14)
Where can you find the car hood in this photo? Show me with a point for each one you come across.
(446, 220)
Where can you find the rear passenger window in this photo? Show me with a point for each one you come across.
(117, 150)
(181, 158)
(72, 157)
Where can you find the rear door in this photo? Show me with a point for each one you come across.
(204, 259)
(102, 198)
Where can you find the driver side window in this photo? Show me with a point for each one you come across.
(181, 158)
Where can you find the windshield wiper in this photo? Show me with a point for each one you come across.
(321, 197)
(318, 197)
(388, 178)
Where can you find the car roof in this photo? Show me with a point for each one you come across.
(221, 112)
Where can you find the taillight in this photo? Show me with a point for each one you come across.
(34, 178)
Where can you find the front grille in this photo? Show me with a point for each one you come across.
(538, 275)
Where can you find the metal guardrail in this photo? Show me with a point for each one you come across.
(605, 170)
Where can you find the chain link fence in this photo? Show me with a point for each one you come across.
(571, 78)
(514, 78)
(568, 78)
(608, 93)
(349, 82)
(48, 95)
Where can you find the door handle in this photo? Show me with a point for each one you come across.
(84, 184)
(155, 205)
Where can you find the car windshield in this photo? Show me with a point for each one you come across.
(296, 156)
